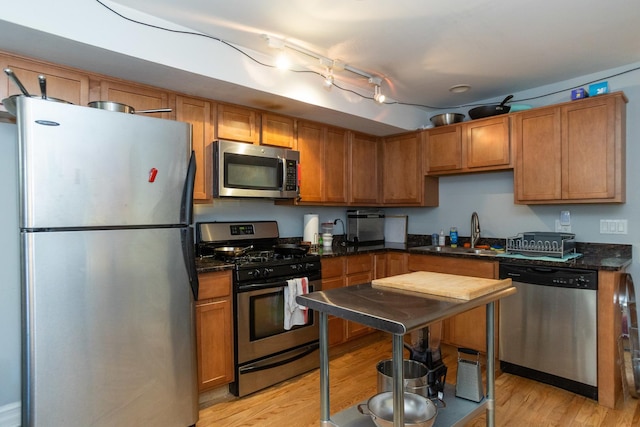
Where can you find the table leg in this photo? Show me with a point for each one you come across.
(491, 371)
(325, 412)
(398, 381)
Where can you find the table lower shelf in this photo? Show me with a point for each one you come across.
(458, 412)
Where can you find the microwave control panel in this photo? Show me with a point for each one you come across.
(291, 178)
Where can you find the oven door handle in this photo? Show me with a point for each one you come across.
(260, 366)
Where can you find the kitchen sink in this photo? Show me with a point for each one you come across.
(450, 250)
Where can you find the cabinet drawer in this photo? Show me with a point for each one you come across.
(359, 264)
(359, 278)
(214, 285)
(332, 267)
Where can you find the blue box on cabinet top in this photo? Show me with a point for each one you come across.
(598, 88)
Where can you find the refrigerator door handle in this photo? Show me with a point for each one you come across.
(189, 252)
(186, 210)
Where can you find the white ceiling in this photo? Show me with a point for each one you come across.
(423, 47)
(420, 48)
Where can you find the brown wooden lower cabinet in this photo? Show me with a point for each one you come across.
(214, 330)
(354, 270)
(466, 329)
(333, 277)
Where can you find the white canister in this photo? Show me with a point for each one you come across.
(327, 240)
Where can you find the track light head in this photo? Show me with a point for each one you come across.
(378, 96)
(328, 78)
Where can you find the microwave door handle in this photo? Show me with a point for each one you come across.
(281, 173)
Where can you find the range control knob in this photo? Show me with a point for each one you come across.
(256, 273)
(267, 272)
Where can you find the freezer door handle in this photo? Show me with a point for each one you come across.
(189, 252)
(186, 211)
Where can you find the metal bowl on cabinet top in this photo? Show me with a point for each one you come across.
(446, 119)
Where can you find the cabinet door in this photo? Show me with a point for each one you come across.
(336, 157)
(214, 330)
(588, 150)
(402, 170)
(537, 138)
(139, 97)
(333, 277)
(487, 143)
(62, 83)
(238, 124)
(277, 130)
(311, 147)
(198, 113)
(364, 170)
(397, 263)
(336, 325)
(444, 146)
(380, 266)
(214, 343)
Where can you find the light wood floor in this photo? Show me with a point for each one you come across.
(519, 402)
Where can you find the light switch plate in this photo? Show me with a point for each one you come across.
(613, 226)
(565, 218)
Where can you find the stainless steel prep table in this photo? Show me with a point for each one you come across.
(398, 313)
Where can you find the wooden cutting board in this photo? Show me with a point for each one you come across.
(443, 285)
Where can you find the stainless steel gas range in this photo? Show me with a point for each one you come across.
(265, 351)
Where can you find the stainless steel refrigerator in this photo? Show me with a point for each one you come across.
(107, 269)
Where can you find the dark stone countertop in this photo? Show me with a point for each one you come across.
(208, 265)
(595, 256)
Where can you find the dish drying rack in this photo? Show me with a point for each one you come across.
(542, 243)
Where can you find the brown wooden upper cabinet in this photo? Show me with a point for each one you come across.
(277, 130)
(364, 171)
(404, 183)
(474, 146)
(198, 113)
(62, 83)
(571, 152)
(238, 124)
(323, 163)
(137, 96)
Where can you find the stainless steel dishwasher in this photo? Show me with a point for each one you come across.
(548, 329)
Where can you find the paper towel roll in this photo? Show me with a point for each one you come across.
(311, 227)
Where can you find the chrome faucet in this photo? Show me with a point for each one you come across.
(475, 229)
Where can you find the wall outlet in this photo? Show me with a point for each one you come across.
(560, 228)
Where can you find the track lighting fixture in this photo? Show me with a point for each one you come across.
(330, 64)
(282, 61)
(328, 78)
(378, 96)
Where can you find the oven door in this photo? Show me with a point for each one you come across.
(260, 328)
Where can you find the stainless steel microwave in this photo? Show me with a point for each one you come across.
(247, 170)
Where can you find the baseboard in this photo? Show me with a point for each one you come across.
(10, 415)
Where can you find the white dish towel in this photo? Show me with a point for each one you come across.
(295, 314)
